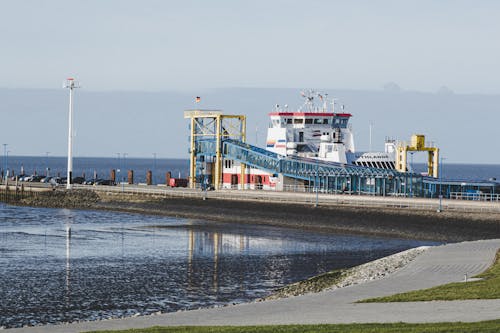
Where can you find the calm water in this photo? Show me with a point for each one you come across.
(116, 264)
(102, 167)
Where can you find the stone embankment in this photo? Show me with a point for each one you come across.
(60, 199)
(371, 271)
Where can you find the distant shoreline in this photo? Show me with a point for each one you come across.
(447, 226)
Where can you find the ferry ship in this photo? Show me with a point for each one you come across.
(316, 132)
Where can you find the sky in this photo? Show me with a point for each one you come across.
(140, 63)
(181, 45)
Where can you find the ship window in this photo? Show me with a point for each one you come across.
(318, 121)
(289, 121)
(298, 121)
(309, 121)
(325, 121)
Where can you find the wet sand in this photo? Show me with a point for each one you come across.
(446, 226)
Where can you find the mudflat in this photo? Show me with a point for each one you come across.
(390, 221)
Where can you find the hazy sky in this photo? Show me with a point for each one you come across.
(185, 45)
(186, 48)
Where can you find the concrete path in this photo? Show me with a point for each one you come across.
(438, 265)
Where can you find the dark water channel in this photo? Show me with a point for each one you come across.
(115, 265)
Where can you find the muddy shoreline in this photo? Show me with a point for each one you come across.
(451, 226)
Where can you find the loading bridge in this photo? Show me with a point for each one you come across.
(324, 176)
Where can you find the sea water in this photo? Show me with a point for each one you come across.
(60, 265)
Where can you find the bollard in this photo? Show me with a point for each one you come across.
(149, 178)
(168, 175)
(130, 177)
(113, 175)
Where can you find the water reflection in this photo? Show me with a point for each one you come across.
(205, 244)
(67, 228)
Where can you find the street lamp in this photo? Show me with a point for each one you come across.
(47, 163)
(411, 174)
(5, 160)
(7, 174)
(70, 84)
(124, 160)
(440, 209)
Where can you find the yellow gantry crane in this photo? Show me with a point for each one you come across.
(418, 144)
(213, 126)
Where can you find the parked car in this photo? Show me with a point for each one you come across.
(45, 180)
(104, 182)
(56, 180)
(78, 180)
(36, 179)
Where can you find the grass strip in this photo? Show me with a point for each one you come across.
(487, 288)
(492, 326)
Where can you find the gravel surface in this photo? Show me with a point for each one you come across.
(371, 271)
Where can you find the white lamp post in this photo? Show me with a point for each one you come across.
(70, 84)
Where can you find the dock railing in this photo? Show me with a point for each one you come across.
(475, 196)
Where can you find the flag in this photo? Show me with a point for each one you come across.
(198, 99)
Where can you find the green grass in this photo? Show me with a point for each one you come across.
(488, 288)
(483, 327)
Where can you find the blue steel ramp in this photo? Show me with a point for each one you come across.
(295, 167)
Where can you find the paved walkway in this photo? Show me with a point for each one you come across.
(438, 265)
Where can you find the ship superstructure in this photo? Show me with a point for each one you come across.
(314, 132)
(323, 133)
